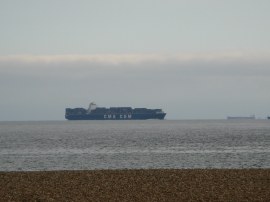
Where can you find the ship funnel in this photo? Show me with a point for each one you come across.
(92, 106)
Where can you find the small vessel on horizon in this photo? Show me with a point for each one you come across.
(242, 117)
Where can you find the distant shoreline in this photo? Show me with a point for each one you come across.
(137, 185)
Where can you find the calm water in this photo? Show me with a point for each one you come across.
(68, 145)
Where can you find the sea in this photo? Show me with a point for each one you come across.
(148, 144)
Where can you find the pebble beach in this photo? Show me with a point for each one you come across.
(137, 185)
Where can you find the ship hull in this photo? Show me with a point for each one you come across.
(241, 118)
(113, 113)
(116, 116)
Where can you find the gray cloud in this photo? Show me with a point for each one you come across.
(185, 86)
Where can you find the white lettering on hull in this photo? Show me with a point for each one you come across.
(121, 116)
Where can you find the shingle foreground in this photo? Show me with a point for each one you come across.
(137, 185)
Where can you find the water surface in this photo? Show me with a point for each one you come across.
(73, 145)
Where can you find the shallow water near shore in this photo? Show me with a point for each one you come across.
(88, 145)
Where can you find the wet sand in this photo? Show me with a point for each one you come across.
(137, 185)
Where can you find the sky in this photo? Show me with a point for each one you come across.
(195, 59)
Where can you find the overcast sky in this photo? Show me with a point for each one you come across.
(195, 59)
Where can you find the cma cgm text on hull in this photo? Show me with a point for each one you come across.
(113, 113)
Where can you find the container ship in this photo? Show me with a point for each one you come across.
(113, 113)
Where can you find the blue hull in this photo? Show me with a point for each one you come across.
(115, 116)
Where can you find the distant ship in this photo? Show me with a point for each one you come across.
(113, 113)
(241, 117)
(268, 117)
